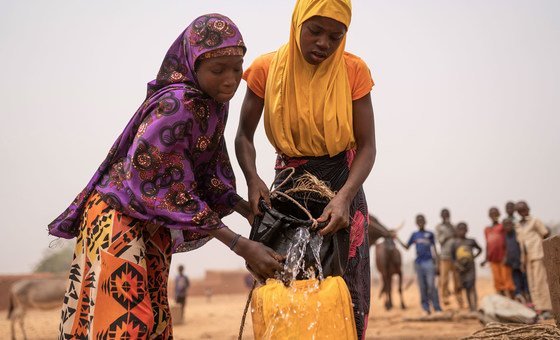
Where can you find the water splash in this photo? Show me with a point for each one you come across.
(315, 244)
(295, 257)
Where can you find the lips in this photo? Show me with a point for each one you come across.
(228, 93)
(318, 56)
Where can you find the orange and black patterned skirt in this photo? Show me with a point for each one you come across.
(118, 278)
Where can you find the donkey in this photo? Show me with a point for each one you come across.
(387, 259)
(27, 294)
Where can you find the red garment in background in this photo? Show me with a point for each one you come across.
(495, 243)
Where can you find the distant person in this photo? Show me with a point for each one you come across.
(510, 211)
(426, 255)
(182, 285)
(513, 260)
(445, 234)
(208, 292)
(496, 255)
(464, 251)
(530, 233)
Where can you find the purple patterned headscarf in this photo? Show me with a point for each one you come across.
(170, 164)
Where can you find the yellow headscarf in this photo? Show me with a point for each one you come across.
(308, 108)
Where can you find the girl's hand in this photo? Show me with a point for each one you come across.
(337, 212)
(261, 260)
(257, 190)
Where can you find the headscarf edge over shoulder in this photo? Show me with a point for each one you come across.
(308, 108)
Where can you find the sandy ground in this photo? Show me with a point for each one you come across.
(220, 319)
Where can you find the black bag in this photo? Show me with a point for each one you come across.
(277, 226)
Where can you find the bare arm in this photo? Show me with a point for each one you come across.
(404, 245)
(263, 261)
(478, 248)
(542, 229)
(244, 209)
(435, 249)
(251, 111)
(483, 263)
(364, 132)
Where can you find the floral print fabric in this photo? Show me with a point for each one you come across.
(170, 165)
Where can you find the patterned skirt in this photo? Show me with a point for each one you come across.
(334, 171)
(118, 279)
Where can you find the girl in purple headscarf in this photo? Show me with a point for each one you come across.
(163, 188)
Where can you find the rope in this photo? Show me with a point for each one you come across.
(291, 170)
(495, 330)
(246, 310)
(275, 191)
(280, 193)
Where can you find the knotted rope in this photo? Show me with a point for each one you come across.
(496, 330)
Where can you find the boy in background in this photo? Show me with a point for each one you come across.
(513, 260)
(182, 284)
(496, 255)
(445, 234)
(510, 211)
(530, 234)
(425, 265)
(463, 253)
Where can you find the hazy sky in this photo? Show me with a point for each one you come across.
(467, 105)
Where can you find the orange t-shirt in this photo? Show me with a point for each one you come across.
(359, 75)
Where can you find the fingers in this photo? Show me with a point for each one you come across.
(265, 194)
(265, 262)
(255, 206)
(251, 218)
(336, 223)
(325, 216)
(278, 259)
(330, 228)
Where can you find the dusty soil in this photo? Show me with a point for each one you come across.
(220, 318)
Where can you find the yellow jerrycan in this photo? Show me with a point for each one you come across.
(306, 309)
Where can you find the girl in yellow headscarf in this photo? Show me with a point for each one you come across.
(319, 117)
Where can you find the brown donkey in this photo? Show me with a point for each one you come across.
(387, 259)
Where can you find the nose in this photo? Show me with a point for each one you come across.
(323, 43)
(230, 81)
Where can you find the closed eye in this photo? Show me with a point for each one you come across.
(336, 37)
(314, 30)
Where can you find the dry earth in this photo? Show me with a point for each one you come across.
(220, 318)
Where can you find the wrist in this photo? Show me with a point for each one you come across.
(241, 246)
(345, 196)
(252, 179)
(234, 241)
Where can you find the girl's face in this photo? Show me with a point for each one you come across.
(320, 37)
(219, 77)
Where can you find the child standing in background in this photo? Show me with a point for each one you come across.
(425, 264)
(463, 254)
(513, 261)
(182, 285)
(496, 255)
(530, 234)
